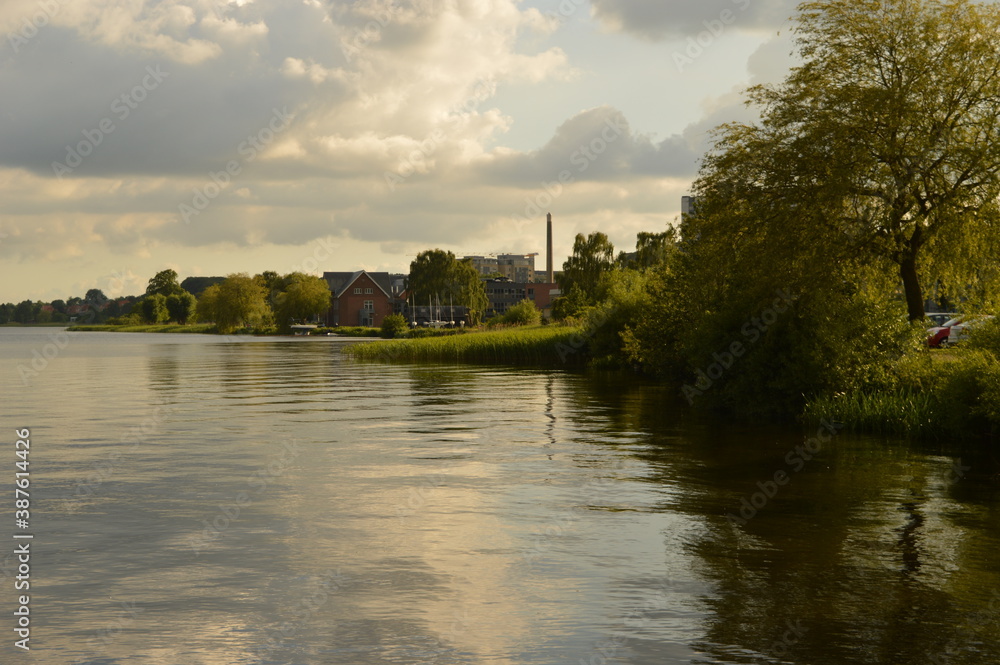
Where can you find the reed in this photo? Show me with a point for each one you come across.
(536, 345)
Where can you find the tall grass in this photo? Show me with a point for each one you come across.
(545, 345)
(928, 394)
(902, 412)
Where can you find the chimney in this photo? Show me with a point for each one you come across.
(550, 275)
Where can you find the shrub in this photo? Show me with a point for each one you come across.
(524, 313)
(394, 325)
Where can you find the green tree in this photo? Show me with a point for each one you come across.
(298, 296)
(207, 305)
(880, 145)
(430, 276)
(164, 283)
(572, 304)
(394, 325)
(153, 308)
(24, 312)
(95, 297)
(181, 306)
(469, 292)
(436, 276)
(240, 302)
(593, 255)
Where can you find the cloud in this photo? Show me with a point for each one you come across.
(597, 144)
(656, 20)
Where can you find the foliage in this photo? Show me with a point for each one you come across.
(593, 255)
(181, 307)
(164, 283)
(652, 250)
(93, 297)
(153, 308)
(297, 297)
(207, 302)
(627, 300)
(437, 276)
(927, 394)
(524, 313)
(239, 303)
(573, 304)
(394, 325)
(133, 319)
(986, 336)
(880, 145)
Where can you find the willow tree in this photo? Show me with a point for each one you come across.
(881, 146)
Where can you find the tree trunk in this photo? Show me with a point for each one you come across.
(911, 288)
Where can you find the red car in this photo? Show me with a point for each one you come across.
(939, 334)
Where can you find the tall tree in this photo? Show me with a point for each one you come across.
(164, 283)
(593, 256)
(469, 292)
(298, 296)
(240, 301)
(882, 144)
(95, 297)
(437, 276)
(153, 308)
(181, 306)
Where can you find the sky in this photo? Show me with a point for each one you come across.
(214, 137)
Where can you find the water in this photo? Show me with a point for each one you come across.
(204, 501)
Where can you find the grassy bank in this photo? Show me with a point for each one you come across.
(152, 328)
(928, 394)
(536, 345)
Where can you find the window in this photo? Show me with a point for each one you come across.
(369, 306)
(357, 290)
(368, 292)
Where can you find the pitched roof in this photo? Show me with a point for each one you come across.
(341, 281)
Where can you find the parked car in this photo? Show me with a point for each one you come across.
(938, 335)
(960, 331)
(939, 318)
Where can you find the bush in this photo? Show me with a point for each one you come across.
(524, 313)
(924, 394)
(986, 336)
(394, 325)
(132, 319)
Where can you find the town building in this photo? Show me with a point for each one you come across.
(515, 267)
(359, 298)
(502, 294)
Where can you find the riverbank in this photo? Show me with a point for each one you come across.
(927, 394)
(202, 328)
(529, 345)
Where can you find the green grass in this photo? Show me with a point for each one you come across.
(900, 412)
(928, 394)
(151, 328)
(536, 345)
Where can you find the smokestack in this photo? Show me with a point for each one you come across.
(548, 251)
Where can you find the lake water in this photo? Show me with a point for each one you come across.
(199, 500)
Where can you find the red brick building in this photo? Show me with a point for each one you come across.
(358, 298)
